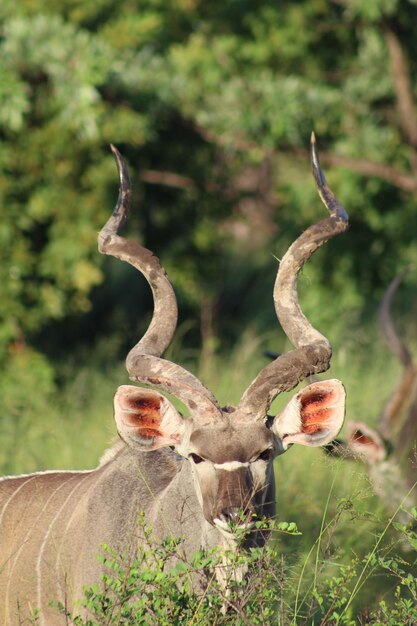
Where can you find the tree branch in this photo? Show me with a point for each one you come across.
(400, 73)
(402, 180)
(407, 182)
(169, 179)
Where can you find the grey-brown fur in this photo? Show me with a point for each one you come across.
(54, 525)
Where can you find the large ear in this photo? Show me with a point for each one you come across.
(365, 441)
(146, 419)
(314, 416)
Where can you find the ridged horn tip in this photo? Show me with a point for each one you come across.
(327, 196)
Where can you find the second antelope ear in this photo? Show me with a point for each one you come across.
(314, 416)
(363, 440)
(146, 419)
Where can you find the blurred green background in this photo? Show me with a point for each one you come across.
(212, 104)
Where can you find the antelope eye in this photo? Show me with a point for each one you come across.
(265, 455)
(195, 458)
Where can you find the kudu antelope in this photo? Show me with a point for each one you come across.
(389, 449)
(191, 477)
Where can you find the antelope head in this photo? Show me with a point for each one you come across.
(395, 431)
(229, 450)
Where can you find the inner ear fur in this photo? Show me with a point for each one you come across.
(314, 416)
(146, 419)
(363, 440)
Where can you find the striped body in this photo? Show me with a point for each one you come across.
(53, 525)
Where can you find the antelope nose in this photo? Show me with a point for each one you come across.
(234, 515)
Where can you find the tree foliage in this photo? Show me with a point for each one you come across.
(212, 104)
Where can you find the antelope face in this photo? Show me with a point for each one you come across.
(232, 469)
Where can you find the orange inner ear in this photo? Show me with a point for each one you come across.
(359, 437)
(315, 414)
(144, 415)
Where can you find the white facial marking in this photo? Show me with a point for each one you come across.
(230, 466)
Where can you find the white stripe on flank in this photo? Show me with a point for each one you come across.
(3, 565)
(39, 561)
(58, 554)
(29, 478)
(230, 466)
(22, 545)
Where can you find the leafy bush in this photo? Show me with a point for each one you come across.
(158, 588)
